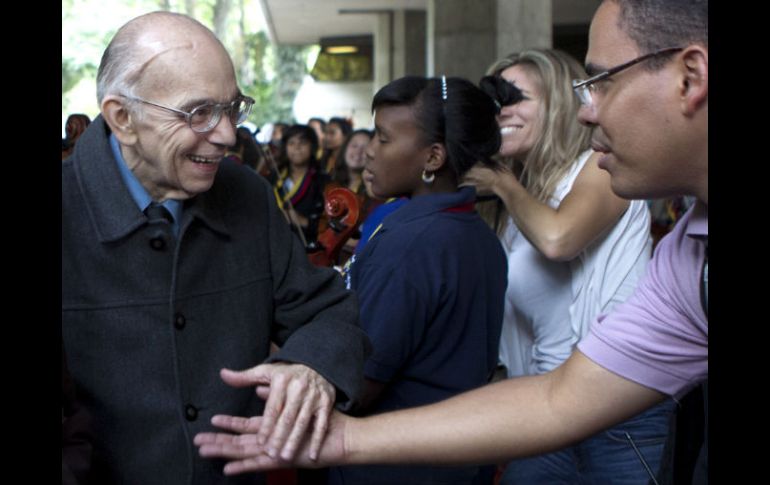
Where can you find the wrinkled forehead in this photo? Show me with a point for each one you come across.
(185, 61)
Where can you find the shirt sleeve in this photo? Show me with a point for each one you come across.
(315, 317)
(393, 315)
(659, 337)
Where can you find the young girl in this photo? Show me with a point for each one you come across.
(349, 174)
(431, 280)
(335, 133)
(300, 185)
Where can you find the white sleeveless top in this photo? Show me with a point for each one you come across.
(549, 305)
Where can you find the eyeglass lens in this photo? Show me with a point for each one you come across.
(205, 117)
(584, 94)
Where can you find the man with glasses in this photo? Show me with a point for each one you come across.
(178, 271)
(648, 102)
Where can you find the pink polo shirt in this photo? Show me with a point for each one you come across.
(659, 337)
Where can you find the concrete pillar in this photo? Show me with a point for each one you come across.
(383, 50)
(522, 24)
(414, 44)
(399, 45)
(466, 36)
(430, 39)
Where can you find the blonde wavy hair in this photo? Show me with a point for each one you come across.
(562, 137)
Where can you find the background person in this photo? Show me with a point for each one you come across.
(575, 250)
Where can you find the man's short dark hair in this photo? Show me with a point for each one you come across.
(657, 24)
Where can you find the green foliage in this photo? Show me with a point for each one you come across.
(270, 74)
(71, 74)
(274, 77)
(290, 69)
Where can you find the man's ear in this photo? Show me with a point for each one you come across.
(119, 118)
(694, 87)
(436, 157)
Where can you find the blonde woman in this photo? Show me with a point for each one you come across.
(575, 250)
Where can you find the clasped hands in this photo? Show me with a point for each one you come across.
(299, 402)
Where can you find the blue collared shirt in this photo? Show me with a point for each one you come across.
(431, 290)
(138, 192)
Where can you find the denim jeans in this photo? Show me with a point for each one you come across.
(606, 458)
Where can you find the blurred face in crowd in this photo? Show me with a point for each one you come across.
(275, 138)
(355, 152)
(298, 151)
(333, 136)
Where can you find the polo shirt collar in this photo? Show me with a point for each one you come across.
(112, 209)
(698, 225)
(424, 205)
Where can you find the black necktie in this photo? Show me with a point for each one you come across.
(156, 213)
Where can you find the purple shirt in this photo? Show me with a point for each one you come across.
(659, 337)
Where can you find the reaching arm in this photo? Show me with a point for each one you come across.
(560, 234)
(512, 418)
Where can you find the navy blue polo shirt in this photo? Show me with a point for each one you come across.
(431, 286)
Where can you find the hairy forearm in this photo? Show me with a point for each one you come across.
(498, 422)
(468, 429)
(495, 423)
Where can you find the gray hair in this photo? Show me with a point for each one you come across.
(123, 63)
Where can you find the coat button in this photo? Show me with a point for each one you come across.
(158, 243)
(179, 321)
(191, 412)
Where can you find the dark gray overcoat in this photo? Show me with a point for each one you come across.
(148, 322)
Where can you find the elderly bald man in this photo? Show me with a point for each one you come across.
(177, 268)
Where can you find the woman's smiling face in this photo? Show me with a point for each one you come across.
(521, 123)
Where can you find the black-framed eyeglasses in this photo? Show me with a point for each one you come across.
(584, 87)
(205, 117)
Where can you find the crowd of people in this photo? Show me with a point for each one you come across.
(497, 316)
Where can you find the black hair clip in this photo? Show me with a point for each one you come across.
(502, 92)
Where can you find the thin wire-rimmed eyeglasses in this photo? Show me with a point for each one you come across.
(205, 117)
(584, 87)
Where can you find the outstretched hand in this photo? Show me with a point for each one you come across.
(298, 399)
(246, 454)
